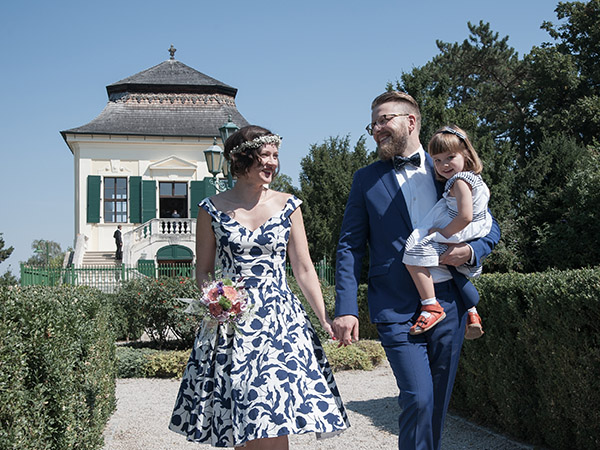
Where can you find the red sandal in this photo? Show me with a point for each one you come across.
(474, 328)
(424, 324)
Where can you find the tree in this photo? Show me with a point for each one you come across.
(561, 215)
(46, 253)
(570, 69)
(325, 181)
(4, 252)
(534, 121)
(8, 279)
(283, 183)
(476, 84)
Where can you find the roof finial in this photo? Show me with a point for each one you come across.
(172, 51)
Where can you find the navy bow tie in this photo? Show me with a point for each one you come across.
(401, 161)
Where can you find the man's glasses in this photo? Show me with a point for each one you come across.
(381, 121)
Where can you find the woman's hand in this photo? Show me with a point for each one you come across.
(327, 325)
(346, 329)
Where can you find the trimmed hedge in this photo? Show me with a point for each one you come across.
(366, 328)
(57, 371)
(536, 372)
(149, 363)
(362, 355)
(151, 305)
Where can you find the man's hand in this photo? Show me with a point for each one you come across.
(345, 329)
(456, 255)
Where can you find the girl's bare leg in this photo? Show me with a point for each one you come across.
(423, 281)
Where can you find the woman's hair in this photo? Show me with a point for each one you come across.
(242, 160)
(453, 139)
(410, 103)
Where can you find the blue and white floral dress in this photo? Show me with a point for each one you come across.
(423, 249)
(269, 377)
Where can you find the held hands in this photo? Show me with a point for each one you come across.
(327, 325)
(456, 255)
(345, 329)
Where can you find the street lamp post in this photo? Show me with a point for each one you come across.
(214, 161)
(46, 251)
(227, 130)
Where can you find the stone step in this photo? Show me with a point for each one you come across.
(99, 258)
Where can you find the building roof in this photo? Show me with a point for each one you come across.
(169, 99)
(171, 76)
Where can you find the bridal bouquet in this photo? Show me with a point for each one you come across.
(221, 300)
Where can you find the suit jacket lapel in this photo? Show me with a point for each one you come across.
(388, 177)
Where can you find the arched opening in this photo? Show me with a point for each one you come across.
(175, 261)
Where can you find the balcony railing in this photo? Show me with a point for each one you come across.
(158, 227)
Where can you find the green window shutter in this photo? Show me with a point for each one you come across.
(135, 199)
(93, 198)
(148, 200)
(199, 190)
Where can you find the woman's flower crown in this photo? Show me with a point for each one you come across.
(257, 143)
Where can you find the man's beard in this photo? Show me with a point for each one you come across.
(396, 146)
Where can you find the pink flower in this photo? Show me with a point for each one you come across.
(235, 309)
(230, 292)
(213, 295)
(215, 309)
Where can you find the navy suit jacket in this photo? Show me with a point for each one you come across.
(376, 214)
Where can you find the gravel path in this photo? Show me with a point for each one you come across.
(144, 409)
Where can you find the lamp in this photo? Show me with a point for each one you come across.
(225, 168)
(214, 162)
(227, 130)
(45, 250)
(214, 157)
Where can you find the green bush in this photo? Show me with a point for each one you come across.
(362, 355)
(167, 364)
(133, 362)
(328, 299)
(152, 305)
(148, 363)
(535, 373)
(124, 321)
(57, 371)
(366, 328)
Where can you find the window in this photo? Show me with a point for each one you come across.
(173, 189)
(115, 200)
(173, 199)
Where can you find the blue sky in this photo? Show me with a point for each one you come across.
(307, 70)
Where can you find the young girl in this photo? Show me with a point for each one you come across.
(461, 215)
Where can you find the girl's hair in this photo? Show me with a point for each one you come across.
(453, 139)
(241, 161)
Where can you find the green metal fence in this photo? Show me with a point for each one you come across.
(108, 278)
(325, 272)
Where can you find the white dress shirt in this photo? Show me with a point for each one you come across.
(418, 187)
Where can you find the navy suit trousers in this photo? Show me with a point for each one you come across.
(425, 368)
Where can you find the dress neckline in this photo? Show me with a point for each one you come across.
(274, 216)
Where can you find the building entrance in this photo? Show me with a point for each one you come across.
(173, 200)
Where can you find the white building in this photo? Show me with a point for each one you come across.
(142, 159)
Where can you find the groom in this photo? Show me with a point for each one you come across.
(387, 200)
